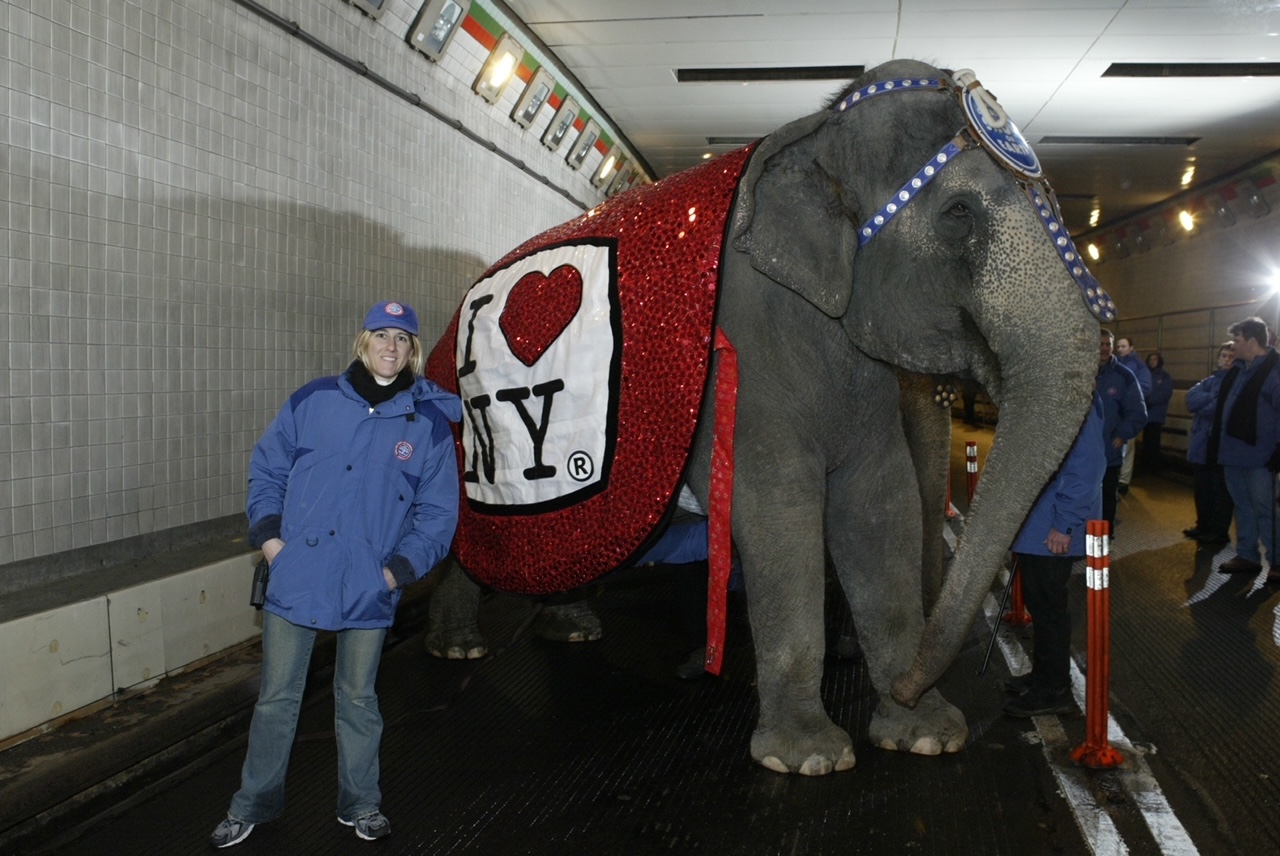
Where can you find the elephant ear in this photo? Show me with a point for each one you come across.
(791, 218)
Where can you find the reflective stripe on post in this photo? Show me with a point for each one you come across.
(1096, 751)
(971, 468)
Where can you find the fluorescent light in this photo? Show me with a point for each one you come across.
(498, 69)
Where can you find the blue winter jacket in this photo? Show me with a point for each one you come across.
(1135, 364)
(1202, 400)
(351, 489)
(1234, 452)
(1158, 400)
(1124, 413)
(1073, 495)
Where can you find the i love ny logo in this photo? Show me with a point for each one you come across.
(538, 351)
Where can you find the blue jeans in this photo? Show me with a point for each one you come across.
(1251, 491)
(286, 655)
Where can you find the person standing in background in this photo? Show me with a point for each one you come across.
(1157, 409)
(1246, 429)
(1127, 356)
(1123, 415)
(1213, 502)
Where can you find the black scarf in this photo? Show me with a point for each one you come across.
(1243, 421)
(372, 391)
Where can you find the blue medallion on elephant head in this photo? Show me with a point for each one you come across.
(988, 127)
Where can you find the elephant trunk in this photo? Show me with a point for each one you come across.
(1041, 409)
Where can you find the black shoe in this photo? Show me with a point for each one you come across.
(1213, 538)
(1193, 532)
(1239, 565)
(1040, 702)
(1018, 685)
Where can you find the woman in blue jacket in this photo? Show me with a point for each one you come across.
(1214, 507)
(353, 494)
(1157, 409)
(1047, 546)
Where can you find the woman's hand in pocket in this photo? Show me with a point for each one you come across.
(271, 548)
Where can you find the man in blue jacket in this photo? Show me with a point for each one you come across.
(1247, 426)
(1050, 541)
(1124, 414)
(1127, 356)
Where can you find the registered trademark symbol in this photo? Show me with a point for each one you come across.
(581, 467)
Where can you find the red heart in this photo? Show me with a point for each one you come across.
(538, 309)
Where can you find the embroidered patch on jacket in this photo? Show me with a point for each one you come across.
(404, 450)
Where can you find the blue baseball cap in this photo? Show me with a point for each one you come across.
(391, 314)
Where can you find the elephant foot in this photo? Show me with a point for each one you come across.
(453, 629)
(932, 727)
(568, 622)
(463, 644)
(809, 753)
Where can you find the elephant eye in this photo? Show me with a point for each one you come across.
(959, 209)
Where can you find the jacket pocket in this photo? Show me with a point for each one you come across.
(365, 596)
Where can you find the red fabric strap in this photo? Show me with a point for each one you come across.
(720, 514)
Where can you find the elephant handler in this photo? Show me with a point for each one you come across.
(353, 494)
(1050, 541)
(1124, 415)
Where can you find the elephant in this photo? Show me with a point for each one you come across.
(854, 266)
(454, 631)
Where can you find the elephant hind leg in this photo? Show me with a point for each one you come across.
(453, 629)
(568, 622)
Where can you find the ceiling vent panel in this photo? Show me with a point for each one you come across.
(1193, 69)
(761, 75)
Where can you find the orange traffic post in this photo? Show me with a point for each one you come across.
(1017, 614)
(1096, 751)
(971, 468)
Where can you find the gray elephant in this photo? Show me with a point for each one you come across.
(901, 230)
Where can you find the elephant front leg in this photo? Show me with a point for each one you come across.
(871, 534)
(783, 566)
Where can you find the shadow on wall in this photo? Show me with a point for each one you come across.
(178, 363)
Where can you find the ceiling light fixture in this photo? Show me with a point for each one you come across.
(1188, 222)
(435, 26)
(499, 69)
(1255, 203)
(535, 95)
(558, 130)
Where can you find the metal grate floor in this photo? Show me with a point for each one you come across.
(597, 748)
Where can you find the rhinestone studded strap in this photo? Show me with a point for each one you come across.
(1016, 157)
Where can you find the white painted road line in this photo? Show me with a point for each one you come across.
(1095, 824)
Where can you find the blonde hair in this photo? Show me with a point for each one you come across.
(417, 359)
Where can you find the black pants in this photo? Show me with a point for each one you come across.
(1110, 486)
(1151, 444)
(1213, 503)
(1044, 590)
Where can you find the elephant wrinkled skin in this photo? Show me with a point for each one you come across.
(964, 281)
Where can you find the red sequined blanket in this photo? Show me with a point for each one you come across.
(581, 359)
